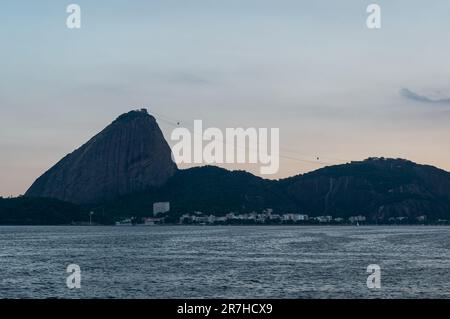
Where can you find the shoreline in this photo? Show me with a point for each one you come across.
(231, 225)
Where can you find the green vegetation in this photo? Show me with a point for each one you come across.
(381, 190)
(38, 211)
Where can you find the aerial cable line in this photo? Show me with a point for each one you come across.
(176, 123)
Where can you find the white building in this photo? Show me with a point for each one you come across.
(421, 218)
(161, 207)
(149, 221)
(125, 222)
(211, 219)
(231, 216)
(186, 218)
(288, 217)
(354, 219)
(201, 219)
(324, 219)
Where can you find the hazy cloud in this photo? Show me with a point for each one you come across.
(406, 93)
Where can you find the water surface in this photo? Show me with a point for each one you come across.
(225, 261)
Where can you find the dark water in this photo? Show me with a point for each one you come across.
(229, 262)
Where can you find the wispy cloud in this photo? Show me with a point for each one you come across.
(408, 94)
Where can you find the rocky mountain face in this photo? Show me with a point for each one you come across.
(128, 166)
(130, 155)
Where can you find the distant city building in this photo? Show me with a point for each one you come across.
(221, 219)
(422, 218)
(161, 207)
(185, 218)
(324, 219)
(354, 219)
(294, 217)
(211, 219)
(231, 216)
(125, 222)
(149, 221)
(201, 219)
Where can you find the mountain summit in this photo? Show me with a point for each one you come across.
(129, 155)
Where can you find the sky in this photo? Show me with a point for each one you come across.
(335, 89)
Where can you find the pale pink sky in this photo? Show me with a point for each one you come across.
(336, 89)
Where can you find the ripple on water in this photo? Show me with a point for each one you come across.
(228, 262)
